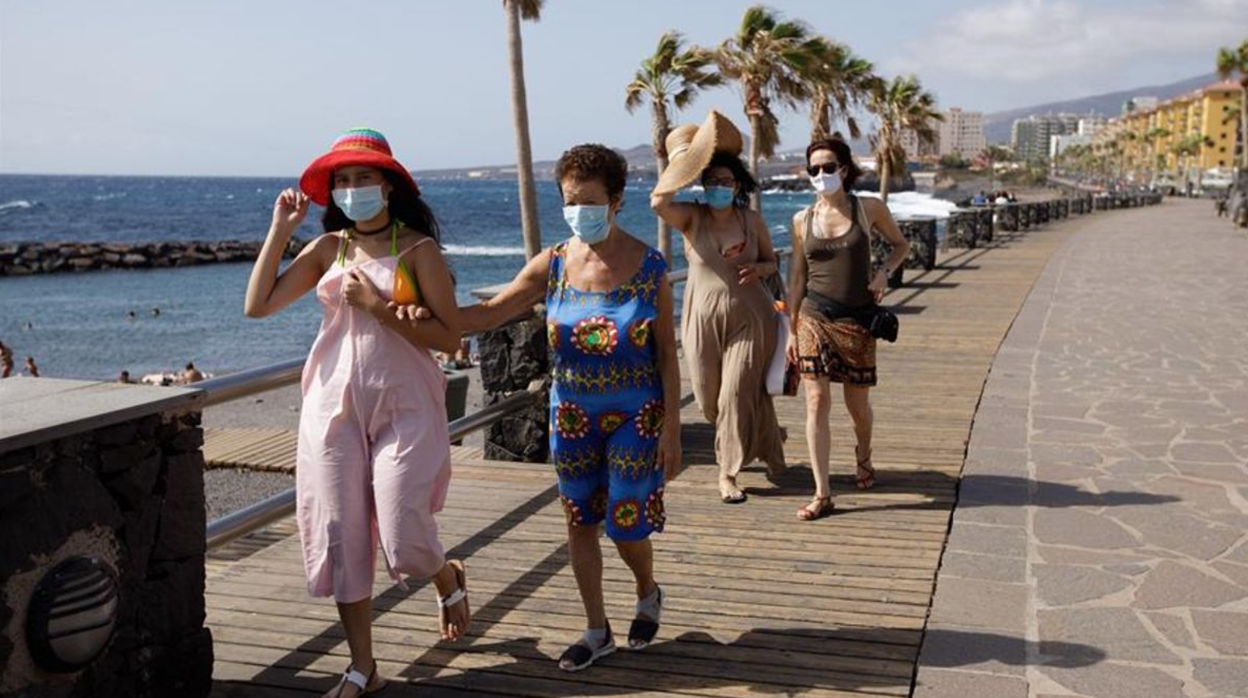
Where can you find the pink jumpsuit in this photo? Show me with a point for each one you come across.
(374, 459)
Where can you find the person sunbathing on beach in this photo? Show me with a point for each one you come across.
(31, 369)
(6, 361)
(190, 374)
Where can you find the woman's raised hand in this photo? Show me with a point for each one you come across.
(289, 210)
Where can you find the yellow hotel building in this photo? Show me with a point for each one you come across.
(1205, 112)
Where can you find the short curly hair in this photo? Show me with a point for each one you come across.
(593, 161)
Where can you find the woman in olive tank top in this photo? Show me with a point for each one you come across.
(832, 289)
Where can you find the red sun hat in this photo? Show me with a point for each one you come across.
(358, 146)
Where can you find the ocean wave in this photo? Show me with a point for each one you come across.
(484, 251)
(109, 197)
(17, 205)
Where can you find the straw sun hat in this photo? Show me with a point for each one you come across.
(690, 149)
(358, 146)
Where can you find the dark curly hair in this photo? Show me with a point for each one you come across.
(844, 157)
(592, 161)
(746, 184)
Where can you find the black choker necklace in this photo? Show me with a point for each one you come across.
(373, 232)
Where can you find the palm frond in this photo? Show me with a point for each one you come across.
(529, 9)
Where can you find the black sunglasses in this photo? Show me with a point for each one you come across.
(826, 168)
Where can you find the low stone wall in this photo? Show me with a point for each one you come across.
(25, 258)
(512, 357)
(129, 497)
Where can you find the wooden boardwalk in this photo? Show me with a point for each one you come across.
(758, 603)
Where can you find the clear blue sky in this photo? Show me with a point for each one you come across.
(226, 87)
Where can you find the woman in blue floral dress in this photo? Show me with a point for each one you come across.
(615, 398)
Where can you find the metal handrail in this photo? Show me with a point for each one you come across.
(265, 512)
(250, 382)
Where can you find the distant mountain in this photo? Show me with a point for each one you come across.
(997, 126)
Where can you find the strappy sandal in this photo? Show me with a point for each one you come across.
(583, 653)
(823, 507)
(459, 595)
(360, 681)
(865, 482)
(646, 625)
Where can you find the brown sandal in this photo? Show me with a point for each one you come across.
(823, 507)
(865, 482)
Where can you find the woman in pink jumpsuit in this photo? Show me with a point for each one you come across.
(374, 453)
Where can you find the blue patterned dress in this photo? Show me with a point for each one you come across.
(606, 401)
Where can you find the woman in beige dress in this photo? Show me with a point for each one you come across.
(728, 323)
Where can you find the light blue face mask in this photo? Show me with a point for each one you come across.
(589, 223)
(361, 204)
(720, 197)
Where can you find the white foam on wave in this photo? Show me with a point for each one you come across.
(909, 203)
(484, 251)
(15, 204)
(109, 197)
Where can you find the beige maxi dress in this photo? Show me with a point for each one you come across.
(729, 334)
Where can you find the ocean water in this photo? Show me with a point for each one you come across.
(78, 325)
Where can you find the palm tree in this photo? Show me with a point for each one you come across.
(675, 75)
(899, 105)
(1230, 62)
(771, 60)
(839, 83)
(1188, 146)
(518, 10)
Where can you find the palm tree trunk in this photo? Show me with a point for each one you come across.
(886, 167)
(820, 122)
(659, 128)
(756, 127)
(520, 119)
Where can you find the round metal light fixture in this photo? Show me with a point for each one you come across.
(72, 614)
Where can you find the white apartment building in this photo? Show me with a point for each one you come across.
(1089, 125)
(962, 133)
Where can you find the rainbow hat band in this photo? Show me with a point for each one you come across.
(358, 146)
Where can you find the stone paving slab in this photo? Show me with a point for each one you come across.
(1100, 542)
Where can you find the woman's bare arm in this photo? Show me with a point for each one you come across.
(679, 215)
(441, 330)
(524, 292)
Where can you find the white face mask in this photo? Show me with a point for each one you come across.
(827, 184)
(362, 203)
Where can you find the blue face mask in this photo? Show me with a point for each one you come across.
(360, 204)
(589, 223)
(720, 197)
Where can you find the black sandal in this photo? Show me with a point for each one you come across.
(582, 655)
(643, 630)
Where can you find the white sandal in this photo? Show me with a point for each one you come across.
(360, 681)
(459, 595)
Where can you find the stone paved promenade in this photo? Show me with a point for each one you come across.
(1101, 532)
